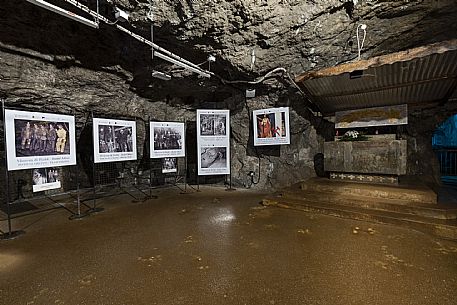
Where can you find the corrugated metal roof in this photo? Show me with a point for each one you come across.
(418, 80)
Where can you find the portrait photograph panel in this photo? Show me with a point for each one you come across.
(213, 157)
(114, 140)
(169, 165)
(213, 141)
(37, 140)
(167, 139)
(41, 138)
(44, 179)
(271, 126)
(213, 125)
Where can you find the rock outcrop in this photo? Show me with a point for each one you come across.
(51, 63)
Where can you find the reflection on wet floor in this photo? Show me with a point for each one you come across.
(216, 247)
(222, 216)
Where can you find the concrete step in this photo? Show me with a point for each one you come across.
(382, 204)
(409, 195)
(442, 228)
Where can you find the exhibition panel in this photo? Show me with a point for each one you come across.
(39, 140)
(213, 142)
(114, 140)
(271, 126)
(167, 139)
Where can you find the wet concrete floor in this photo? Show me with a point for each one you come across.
(217, 247)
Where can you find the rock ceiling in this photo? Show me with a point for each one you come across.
(292, 34)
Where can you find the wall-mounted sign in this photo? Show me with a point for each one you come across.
(271, 126)
(167, 139)
(213, 142)
(377, 116)
(114, 140)
(38, 140)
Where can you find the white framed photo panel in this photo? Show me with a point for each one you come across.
(39, 140)
(271, 126)
(169, 165)
(114, 140)
(213, 142)
(167, 139)
(45, 179)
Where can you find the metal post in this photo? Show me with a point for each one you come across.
(150, 177)
(185, 156)
(198, 182)
(78, 201)
(230, 174)
(78, 215)
(185, 159)
(10, 234)
(185, 174)
(94, 209)
(148, 147)
(148, 132)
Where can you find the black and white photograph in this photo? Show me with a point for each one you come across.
(213, 141)
(38, 140)
(167, 139)
(44, 179)
(169, 165)
(41, 138)
(213, 125)
(114, 140)
(213, 157)
(271, 126)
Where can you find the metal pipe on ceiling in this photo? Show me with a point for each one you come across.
(167, 54)
(63, 12)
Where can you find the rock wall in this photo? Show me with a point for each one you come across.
(34, 85)
(50, 63)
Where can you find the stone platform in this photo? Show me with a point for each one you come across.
(412, 206)
(402, 194)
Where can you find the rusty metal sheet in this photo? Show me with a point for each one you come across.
(376, 116)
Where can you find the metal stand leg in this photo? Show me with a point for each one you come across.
(78, 214)
(94, 208)
(185, 179)
(185, 164)
(150, 178)
(148, 132)
(230, 179)
(10, 234)
(151, 196)
(230, 188)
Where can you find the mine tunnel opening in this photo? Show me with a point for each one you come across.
(444, 144)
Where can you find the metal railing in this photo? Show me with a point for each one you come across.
(447, 158)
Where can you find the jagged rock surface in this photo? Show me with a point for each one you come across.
(50, 63)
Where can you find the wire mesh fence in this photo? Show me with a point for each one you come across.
(94, 180)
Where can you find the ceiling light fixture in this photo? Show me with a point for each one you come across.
(121, 15)
(161, 75)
